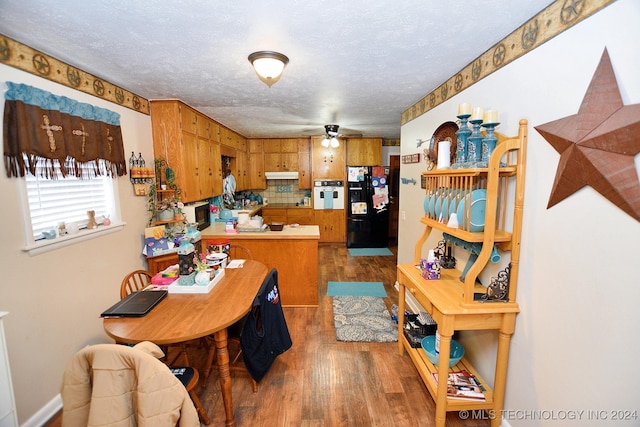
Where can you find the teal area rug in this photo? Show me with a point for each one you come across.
(369, 289)
(370, 252)
(363, 319)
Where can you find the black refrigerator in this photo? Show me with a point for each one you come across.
(367, 207)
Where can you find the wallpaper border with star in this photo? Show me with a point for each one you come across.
(23, 57)
(551, 21)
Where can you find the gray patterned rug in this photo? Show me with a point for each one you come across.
(364, 319)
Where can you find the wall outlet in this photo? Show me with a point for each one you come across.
(404, 215)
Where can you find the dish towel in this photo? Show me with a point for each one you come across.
(328, 199)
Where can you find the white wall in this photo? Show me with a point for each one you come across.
(575, 345)
(54, 299)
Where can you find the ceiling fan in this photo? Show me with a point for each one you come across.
(331, 139)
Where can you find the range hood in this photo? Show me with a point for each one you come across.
(281, 175)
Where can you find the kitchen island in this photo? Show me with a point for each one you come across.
(292, 251)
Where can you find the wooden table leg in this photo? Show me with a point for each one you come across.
(225, 377)
(443, 377)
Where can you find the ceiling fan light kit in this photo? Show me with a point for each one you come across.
(332, 136)
(268, 65)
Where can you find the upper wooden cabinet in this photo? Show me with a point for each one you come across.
(256, 145)
(304, 163)
(280, 145)
(364, 151)
(187, 140)
(281, 162)
(255, 170)
(232, 139)
(327, 162)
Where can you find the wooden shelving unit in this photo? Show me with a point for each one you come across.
(450, 301)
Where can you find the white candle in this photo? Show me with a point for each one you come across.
(464, 109)
(444, 154)
(490, 116)
(477, 114)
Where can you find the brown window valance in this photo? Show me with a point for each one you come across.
(59, 134)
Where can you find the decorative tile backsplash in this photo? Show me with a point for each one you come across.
(283, 191)
(284, 188)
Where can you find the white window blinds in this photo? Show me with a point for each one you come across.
(53, 201)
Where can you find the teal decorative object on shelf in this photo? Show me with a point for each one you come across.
(429, 347)
(462, 145)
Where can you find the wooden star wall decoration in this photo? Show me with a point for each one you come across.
(597, 146)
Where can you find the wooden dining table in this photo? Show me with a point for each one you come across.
(183, 317)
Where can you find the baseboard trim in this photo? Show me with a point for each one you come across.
(45, 413)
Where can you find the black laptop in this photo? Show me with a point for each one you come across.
(136, 304)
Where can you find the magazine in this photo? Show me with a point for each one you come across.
(463, 385)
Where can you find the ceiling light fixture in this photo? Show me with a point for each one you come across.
(332, 136)
(268, 65)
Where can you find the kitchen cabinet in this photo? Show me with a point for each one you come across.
(298, 280)
(270, 215)
(255, 170)
(304, 164)
(226, 138)
(159, 263)
(242, 176)
(467, 305)
(280, 155)
(292, 215)
(206, 167)
(232, 139)
(300, 215)
(218, 177)
(332, 225)
(186, 139)
(280, 145)
(327, 162)
(364, 151)
(281, 162)
(256, 145)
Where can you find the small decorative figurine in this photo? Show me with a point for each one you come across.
(91, 223)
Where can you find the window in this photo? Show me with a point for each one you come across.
(66, 200)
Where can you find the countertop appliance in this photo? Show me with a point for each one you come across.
(328, 194)
(197, 213)
(367, 207)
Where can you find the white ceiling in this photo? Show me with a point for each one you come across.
(356, 63)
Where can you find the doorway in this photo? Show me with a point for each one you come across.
(394, 192)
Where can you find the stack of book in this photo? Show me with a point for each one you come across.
(463, 385)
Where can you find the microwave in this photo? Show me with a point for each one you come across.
(197, 213)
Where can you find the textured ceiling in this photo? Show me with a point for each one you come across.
(357, 63)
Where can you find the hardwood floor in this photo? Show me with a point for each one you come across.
(324, 382)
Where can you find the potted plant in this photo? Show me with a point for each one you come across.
(165, 208)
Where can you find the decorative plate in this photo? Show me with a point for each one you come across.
(445, 132)
(478, 200)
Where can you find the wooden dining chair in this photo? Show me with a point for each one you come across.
(189, 377)
(134, 282)
(239, 252)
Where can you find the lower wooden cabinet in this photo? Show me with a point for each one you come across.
(332, 225)
(294, 215)
(160, 262)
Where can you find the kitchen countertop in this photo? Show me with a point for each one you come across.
(283, 205)
(217, 231)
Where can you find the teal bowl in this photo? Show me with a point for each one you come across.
(429, 347)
